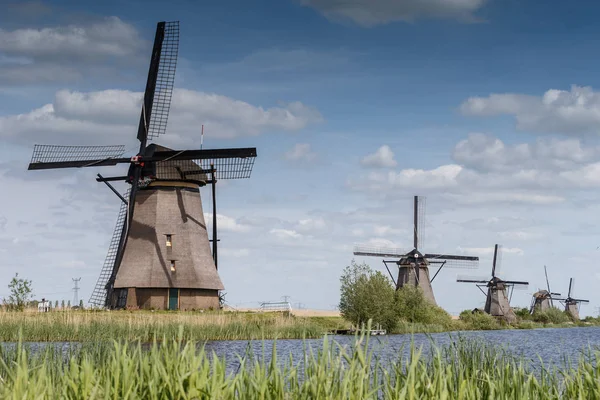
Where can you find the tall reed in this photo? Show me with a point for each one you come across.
(175, 369)
(144, 326)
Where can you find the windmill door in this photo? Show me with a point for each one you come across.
(173, 299)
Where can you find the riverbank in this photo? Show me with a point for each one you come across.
(145, 325)
(81, 326)
(465, 369)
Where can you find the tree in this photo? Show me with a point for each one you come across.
(81, 304)
(62, 305)
(20, 293)
(412, 306)
(69, 304)
(365, 295)
(56, 304)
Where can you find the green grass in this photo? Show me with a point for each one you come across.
(179, 370)
(144, 326)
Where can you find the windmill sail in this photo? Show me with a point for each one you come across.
(98, 297)
(165, 80)
(46, 156)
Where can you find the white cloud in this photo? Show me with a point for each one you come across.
(109, 37)
(487, 153)
(225, 223)
(112, 115)
(385, 230)
(285, 233)
(300, 152)
(486, 251)
(571, 112)
(235, 253)
(382, 158)
(487, 170)
(368, 13)
(520, 235)
(65, 53)
(311, 225)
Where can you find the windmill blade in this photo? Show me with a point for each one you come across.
(99, 294)
(54, 156)
(570, 288)
(453, 261)
(371, 251)
(547, 281)
(497, 262)
(420, 222)
(234, 163)
(581, 300)
(159, 85)
(517, 285)
(165, 80)
(548, 286)
(472, 281)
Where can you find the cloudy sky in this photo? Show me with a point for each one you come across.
(487, 108)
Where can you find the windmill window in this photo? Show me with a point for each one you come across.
(172, 265)
(169, 240)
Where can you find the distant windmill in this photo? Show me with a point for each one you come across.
(572, 304)
(497, 300)
(413, 266)
(543, 299)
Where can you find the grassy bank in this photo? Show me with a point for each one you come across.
(144, 326)
(464, 370)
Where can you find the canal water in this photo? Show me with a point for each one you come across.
(548, 346)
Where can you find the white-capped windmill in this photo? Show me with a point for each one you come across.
(497, 301)
(571, 303)
(413, 265)
(543, 299)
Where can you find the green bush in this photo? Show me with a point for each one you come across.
(522, 313)
(478, 320)
(367, 295)
(411, 306)
(551, 316)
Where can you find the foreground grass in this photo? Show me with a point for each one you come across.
(172, 370)
(144, 326)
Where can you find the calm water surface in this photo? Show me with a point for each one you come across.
(551, 346)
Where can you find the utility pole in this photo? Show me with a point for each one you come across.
(286, 298)
(76, 291)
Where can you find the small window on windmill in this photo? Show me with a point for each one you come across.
(172, 265)
(169, 240)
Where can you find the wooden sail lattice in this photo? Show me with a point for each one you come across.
(98, 297)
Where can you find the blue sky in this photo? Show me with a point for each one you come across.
(487, 108)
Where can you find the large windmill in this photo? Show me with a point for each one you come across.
(542, 300)
(497, 301)
(160, 254)
(571, 303)
(413, 265)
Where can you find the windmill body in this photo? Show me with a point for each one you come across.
(543, 299)
(160, 255)
(413, 266)
(167, 262)
(497, 301)
(572, 304)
